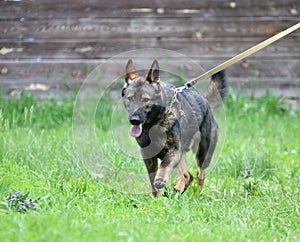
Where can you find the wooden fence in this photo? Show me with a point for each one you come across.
(56, 43)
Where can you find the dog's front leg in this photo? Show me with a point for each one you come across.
(151, 165)
(170, 161)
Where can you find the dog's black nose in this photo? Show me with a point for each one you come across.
(135, 120)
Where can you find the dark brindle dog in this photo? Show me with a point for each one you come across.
(165, 130)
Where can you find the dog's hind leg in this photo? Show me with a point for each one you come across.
(152, 165)
(207, 145)
(185, 177)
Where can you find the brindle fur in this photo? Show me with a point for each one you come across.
(148, 101)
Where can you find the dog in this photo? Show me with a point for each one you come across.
(166, 126)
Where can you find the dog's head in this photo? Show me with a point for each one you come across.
(142, 97)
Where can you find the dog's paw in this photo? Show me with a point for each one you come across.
(180, 187)
(160, 183)
(184, 183)
(154, 193)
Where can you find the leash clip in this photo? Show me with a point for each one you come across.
(179, 89)
(175, 99)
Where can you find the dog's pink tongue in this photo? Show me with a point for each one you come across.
(136, 130)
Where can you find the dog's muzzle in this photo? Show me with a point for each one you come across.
(135, 120)
(137, 125)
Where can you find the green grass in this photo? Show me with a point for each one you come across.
(251, 195)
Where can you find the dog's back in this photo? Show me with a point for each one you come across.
(192, 108)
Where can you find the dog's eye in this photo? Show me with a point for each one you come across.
(130, 98)
(145, 100)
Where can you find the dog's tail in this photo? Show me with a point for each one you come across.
(216, 90)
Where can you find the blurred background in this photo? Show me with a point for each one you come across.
(49, 47)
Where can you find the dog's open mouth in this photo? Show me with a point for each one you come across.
(136, 130)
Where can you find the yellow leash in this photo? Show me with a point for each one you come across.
(238, 57)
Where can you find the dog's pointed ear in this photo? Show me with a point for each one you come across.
(153, 74)
(131, 73)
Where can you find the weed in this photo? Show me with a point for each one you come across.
(18, 201)
(251, 187)
(250, 184)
